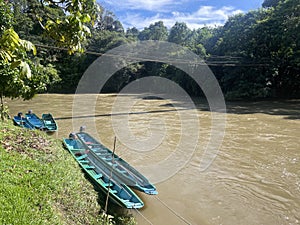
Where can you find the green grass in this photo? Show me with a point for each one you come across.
(42, 184)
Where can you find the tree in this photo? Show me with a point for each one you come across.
(12, 49)
(283, 25)
(262, 46)
(193, 42)
(179, 33)
(19, 76)
(106, 20)
(70, 30)
(132, 32)
(270, 3)
(157, 31)
(16, 77)
(237, 46)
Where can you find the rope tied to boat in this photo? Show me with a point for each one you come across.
(144, 217)
(173, 211)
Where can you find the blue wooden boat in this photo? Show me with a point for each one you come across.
(119, 193)
(120, 168)
(35, 121)
(22, 122)
(49, 122)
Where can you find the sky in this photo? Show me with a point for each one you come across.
(195, 13)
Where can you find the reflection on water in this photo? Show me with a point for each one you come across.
(254, 180)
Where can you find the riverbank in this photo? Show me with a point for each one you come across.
(42, 184)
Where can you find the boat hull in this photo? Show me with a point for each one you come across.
(22, 122)
(49, 122)
(35, 121)
(119, 193)
(119, 167)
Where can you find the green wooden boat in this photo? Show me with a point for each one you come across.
(120, 168)
(49, 122)
(119, 193)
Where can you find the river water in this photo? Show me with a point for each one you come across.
(254, 179)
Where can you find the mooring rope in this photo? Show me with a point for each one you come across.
(144, 217)
(173, 211)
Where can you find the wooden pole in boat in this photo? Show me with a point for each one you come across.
(112, 167)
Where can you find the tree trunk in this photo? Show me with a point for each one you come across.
(1, 107)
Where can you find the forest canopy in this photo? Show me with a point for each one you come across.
(253, 55)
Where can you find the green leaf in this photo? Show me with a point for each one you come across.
(28, 46)
(15, 64)
(86, 29)
(86, 18)
(5, 56)
(25, 69)
(11, 36)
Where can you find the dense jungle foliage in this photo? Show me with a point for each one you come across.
(253, 55)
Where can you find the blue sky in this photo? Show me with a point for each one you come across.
(195, 13)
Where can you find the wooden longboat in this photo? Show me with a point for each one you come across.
(121, 169)
(119, 193)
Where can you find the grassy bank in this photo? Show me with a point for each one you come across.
(42, 184)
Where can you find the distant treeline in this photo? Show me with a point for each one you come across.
(254, 55)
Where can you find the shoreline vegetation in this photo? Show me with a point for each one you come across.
(253, 55)
(42, 184)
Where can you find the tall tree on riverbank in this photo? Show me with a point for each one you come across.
(265, 47)
(21, 75)
(283, 28)
(15, 72)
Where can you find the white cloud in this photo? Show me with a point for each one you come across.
(149, 5)
(139, 21)
(205, 15)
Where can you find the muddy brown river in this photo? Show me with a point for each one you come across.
(254, 178)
